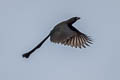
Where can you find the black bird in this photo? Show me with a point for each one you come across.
(66, 34)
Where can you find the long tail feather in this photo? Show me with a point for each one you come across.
(26, 55)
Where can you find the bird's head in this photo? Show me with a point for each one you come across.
(72, 20)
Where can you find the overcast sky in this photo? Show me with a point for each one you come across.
(24, 23)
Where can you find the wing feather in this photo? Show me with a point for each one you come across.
(78, 39)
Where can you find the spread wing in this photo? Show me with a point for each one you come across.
(70, 36)
(79, 40)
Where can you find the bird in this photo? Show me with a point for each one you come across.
(65, 33)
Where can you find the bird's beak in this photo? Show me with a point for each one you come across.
(78, 18)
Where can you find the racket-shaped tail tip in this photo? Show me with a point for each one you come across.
(26, 55)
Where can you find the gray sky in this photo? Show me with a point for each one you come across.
(24, 23)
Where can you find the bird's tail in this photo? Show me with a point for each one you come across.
(26, 55)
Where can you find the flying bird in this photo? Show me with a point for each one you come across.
(66, 34)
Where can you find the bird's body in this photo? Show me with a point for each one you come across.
(66, 34)
(60, 32)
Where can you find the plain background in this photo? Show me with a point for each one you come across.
(24, 23)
